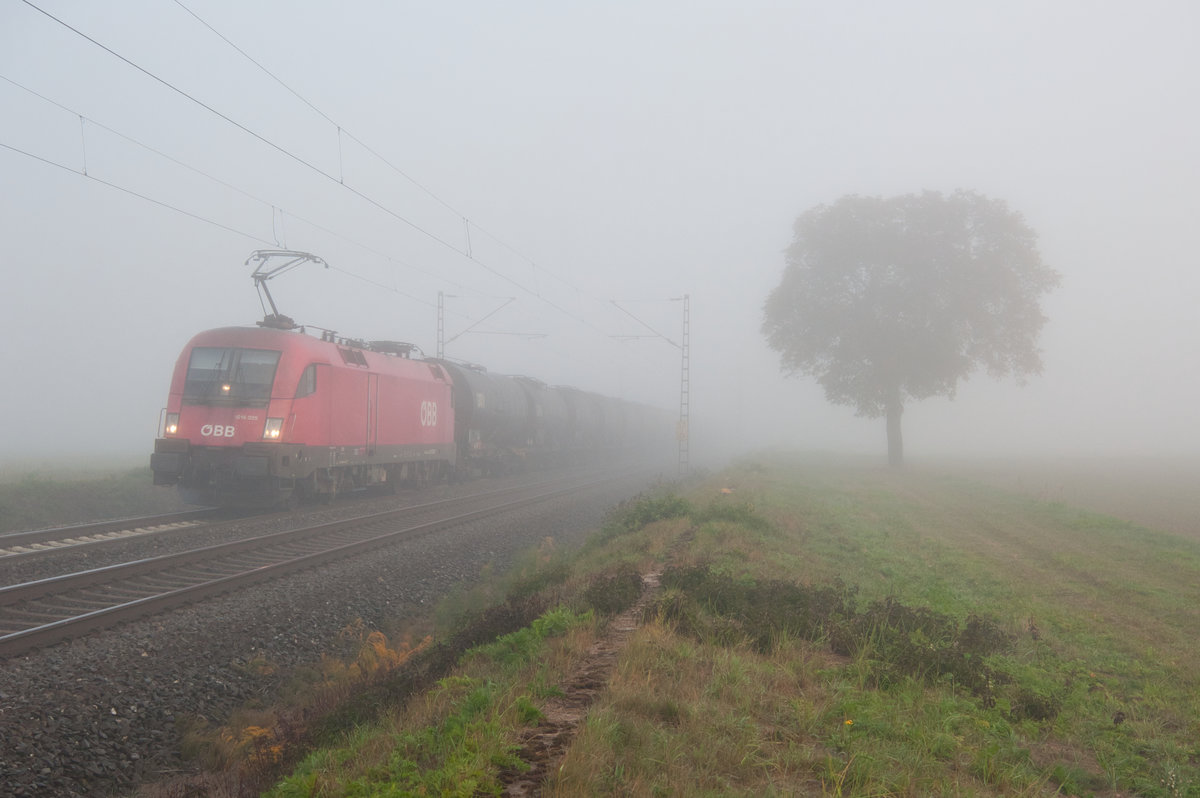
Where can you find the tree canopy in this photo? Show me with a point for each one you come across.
(884, 300)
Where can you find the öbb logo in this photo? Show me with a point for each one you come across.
(216, 431)
(428, 414)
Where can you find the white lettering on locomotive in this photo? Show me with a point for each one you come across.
(217, 431)
(429, 414)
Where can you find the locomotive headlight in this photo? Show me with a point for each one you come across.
(172, 425)
(225, 388)
(273, 429)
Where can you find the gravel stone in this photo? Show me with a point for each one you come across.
(99, 715)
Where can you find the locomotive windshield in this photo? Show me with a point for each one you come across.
(230, 376)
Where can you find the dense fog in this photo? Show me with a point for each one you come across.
(596, 162)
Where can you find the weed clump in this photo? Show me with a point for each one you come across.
(762, 612)
(740, 513)
(519, 646)
(435, 660)
(633, 515)
(901, 641)
(545, 577)
(609, 594)
(1027, 703)
(683, 612)
(892, 640)
(496, 621)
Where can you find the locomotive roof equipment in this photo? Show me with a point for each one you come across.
(291, 259)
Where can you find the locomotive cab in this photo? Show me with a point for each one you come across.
(211, 442)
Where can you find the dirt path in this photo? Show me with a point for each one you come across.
(545, 745)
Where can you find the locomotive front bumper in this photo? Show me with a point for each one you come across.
(175, 461)
(169, 461)
(174, 458)
(223, 475)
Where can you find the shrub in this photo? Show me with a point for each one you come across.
(894, 640)
(613, 593)
(902, 641)
(763, 611)
(632, 515)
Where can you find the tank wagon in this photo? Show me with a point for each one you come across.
(262, 416)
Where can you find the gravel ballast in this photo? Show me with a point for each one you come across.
(100, 715)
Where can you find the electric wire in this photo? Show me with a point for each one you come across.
(279, 148)
(644, 324)
(248, 195)
(201, 218)
(468, 223)
(139, 195)
(252, 236)
(207, 220)
(454, 338)
(320, 171)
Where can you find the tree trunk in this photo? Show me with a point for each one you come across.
(895, 409)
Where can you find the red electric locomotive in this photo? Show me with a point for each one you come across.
(270, 414)
(260, 415)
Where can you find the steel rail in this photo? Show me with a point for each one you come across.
(56, 630)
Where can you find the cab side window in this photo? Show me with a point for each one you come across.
(308, 381)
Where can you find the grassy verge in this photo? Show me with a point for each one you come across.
(822, 629)
(37, 499)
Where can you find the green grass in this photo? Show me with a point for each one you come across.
(454, 742)
(1102, 612)
(1098, 616)
(38, 499)
(825, 628)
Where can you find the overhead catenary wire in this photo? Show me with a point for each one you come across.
(274, 207)
(137, 194)
(204, 219)
(509, 301)
(657, 334)
(256, 238)
(277, 147)
(283, 150)
(341, 130)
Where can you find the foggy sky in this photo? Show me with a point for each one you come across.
(607, 151)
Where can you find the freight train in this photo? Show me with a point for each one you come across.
(272, 415)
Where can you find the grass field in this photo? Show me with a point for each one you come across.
(826, 627)
(47, 496)
(1157, 492)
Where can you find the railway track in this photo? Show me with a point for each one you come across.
(40, 613)
(40, 541)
